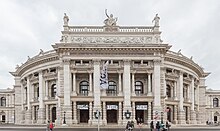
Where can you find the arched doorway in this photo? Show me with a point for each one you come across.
(54, 117)
(169, 115)
(3, 118)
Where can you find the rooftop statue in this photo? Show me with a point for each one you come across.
(110, 21)
(65, 19)
(156, 20)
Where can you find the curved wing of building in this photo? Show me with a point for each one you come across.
(146, 80)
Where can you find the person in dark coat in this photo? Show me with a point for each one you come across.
(152, 125)
(158, 126)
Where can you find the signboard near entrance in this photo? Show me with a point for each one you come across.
(83, 107)
(112, 107)
(141, 107)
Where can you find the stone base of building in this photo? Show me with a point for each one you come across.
(181, 118)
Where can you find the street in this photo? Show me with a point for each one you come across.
(105, 129)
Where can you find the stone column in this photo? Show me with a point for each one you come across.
(164, 84)
(74, 84)
(181, 112)
(149, 93)
(47, 113)
(58, 121)
(90, 113)
(104, 113)
(46, 92)
(149, 112)
(96, 84)
(188, 93)
(193, 113)
(119, 84)
(119, 113)
(133, 111)
(175, 90)
(41, 111)
(67, 90)
(133, 84)
(127, 89)
(28, 111)
(75, 121)
(175, 114)
(157, 100)
(90, 84)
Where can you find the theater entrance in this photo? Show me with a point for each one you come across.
(84, 116)
(83, 110)
(141, 109)
(112, 113)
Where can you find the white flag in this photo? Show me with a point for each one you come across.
(104, 77)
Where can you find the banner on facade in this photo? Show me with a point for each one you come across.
(104, 77)
(141, 107)
(112, 107)
(82, 107)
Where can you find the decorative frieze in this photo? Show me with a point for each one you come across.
(113, 39)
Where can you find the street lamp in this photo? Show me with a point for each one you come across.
(64, 118)
(161, 117)
(127, 114)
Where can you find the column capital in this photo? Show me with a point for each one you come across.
(66, 61)
(157, 61)
(126, 61)
(96, 61)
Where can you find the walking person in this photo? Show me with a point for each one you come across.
(48, 126)
(51, 126)
(158, 126)
(168, 125)
(152, 126)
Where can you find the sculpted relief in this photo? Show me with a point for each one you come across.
(128, 40)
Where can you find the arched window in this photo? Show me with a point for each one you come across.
(37, 92)
(84, 88)
(53, 90)
(112, 88)
(138, 88)
(3, 101)
(168, 91)
(215, 102)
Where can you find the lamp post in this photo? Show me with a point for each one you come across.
(64, 118)
(161, 117)
(127, 114)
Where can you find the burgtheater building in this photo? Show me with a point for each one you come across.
(146, 80)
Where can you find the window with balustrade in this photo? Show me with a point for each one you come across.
(215, 102)
(138, 88)
(3, 101)
(168, 91)
(112, 88)
(84, 88)
(53, 90)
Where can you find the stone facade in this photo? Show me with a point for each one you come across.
(147, 81)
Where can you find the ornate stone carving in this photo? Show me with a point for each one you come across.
(119, 40)
(110, 21)
(156, 20)
(65, 19)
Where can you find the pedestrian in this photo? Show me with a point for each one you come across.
(48, 126)
(168, 125)
(51, 126)
(158, 126)
(151, 125)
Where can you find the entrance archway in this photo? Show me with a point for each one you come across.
(3, 118)
(54, 116)
(169, 115)
(112, 116)
(84, 116)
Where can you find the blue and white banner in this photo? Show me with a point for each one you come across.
(104, 77)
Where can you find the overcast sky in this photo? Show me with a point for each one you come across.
(26, 26)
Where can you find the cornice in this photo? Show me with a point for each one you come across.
(35, 62)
